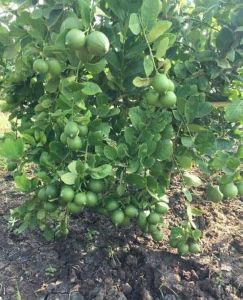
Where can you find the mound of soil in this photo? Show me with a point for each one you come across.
(97, 261)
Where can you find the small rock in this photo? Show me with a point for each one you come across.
(51, 287)
(170, 297)
(173, 278)
(76, 296)
(126, 288)
(122, 275)
(2, 265)
(101, 295)
(131, 260)
(194, 275)
(146, 295)
(58, 297)
(10, 290)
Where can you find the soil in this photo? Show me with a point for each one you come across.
(98, 261)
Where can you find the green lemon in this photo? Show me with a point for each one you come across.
(161, 208)
(183, 248)
(71, 129)
(194, 248)
(97, 43)
(111, 205)
(171, 86)
(153, 218)
(80, 199)
(51, 191)
(67, 194)
(40, 66)
(92, 199)
(152, 97)
(168, 100)
(75, 143)
(157, 235)
(118, 217)
(229, 190)
(142, 219)
(96, 185)
(74, 208)
(152, 228)
(83, 130)
(55, 68)
(131, 211)
(75, 39)
(160, 83)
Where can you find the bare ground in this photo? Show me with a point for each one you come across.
(97, 261)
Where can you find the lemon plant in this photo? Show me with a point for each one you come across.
(108, 106)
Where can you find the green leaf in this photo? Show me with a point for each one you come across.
(134, 24)
(11, 51)
(136, 116)
(195, 109)
(152, 184)
(136, 180)
(196, 212)
(157, 30)
(122, 150)
(72, 167)
(234, 111)
(224, 39)
(141, 82)
(205, 142)
(164, 150)
(101, 171)
(223, 63)
(70, 23)
(23, 183)
(148, 65)
(91, 88)
(192, 180)
(187, 194)
(12, 148)
(57, 150)
(41, 214)
(96, 68)
(197, 234)
(133, 166)
(85, 11)
(187, 141)
(130, 135)
(69, 178)
(149, 12)
(162, 48)
(110, 152)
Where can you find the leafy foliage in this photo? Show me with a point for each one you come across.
(108, 120)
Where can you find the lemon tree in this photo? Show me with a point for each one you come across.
(109, 100)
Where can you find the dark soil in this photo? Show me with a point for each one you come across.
(97, 261)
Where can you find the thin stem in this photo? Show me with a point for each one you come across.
(147, 42)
